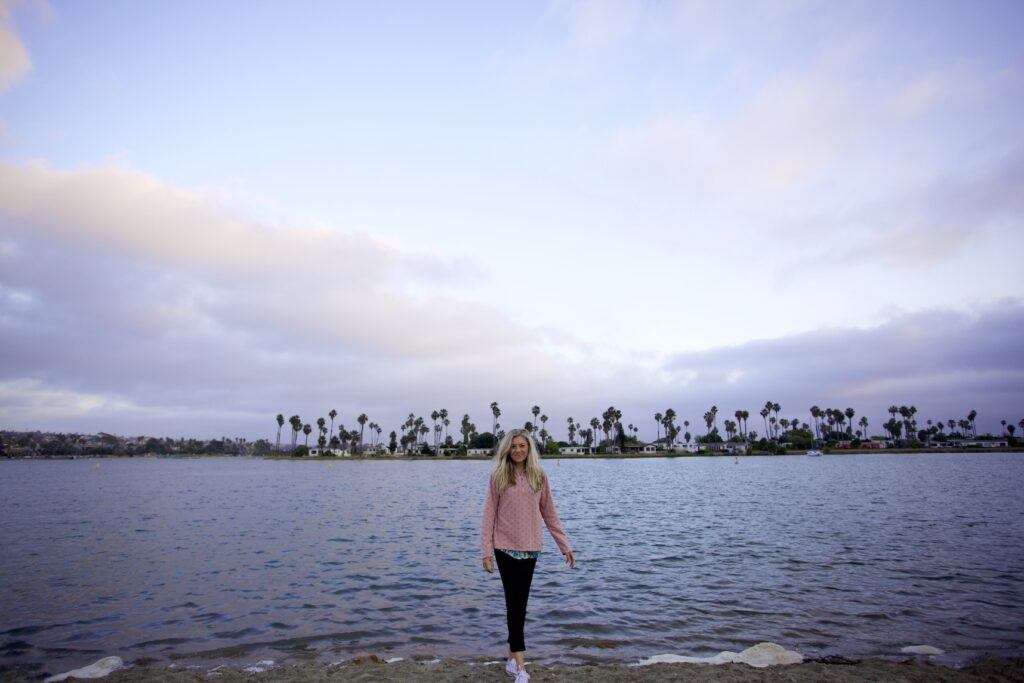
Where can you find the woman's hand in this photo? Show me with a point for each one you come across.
(488, 567)
(570, 559)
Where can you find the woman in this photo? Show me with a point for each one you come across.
(518, 497)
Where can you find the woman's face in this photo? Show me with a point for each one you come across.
(520, 449)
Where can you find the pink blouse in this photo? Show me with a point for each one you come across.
(512, 519)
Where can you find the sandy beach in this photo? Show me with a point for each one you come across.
(371, 668)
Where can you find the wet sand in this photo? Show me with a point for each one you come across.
(373, 669)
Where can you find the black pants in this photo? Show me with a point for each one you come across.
(516, 577)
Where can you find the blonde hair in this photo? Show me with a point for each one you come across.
(504, 468)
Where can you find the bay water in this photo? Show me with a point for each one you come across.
(198, 562)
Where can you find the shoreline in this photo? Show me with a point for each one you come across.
(373, 668)
(594, 456)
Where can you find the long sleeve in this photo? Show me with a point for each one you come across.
(550, 515)
(487, 523)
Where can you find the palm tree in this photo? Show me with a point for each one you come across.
(904, 412)
(333, 414)
(280, 424)
(419, 429)
(362, 423)
(594, 424)
(657, 421)
(434, 415)
(764, 417)
(971, 417)
(306, 429)
(544, 429)
(496, 412)
(849, 415)
(864, 425)
(296, 424)
(572, 432)
(444, 420)
(816, 419)
(536, 411)
(670, 426)
(1004, 425)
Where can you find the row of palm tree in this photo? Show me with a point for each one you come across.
(326, 438)
(826, 424)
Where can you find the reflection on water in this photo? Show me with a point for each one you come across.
(218, 559)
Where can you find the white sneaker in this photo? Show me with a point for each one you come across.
(522, 676)
(512, 669)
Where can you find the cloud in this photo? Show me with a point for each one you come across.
(130, 300)
(926, 225)
(130, 305)
(135, 215)
(14, 59)
(943, 361)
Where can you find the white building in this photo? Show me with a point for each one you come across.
(339, 452)
(577, 450)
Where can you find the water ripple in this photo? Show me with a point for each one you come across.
(222, 558)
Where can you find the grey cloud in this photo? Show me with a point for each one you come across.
(110, 334)
(135, 302)
(924, 226)
(944, 362)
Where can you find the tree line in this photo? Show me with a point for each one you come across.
(415, 435)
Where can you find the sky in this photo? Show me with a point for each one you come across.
(212, 213)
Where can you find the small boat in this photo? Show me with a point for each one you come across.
(814, 453)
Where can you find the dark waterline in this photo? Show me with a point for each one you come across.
(235, 560)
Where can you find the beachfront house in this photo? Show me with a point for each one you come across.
(480, 451)
(730, 447)
(638, 447)
(684, 448)
(577, 450)
(339, 452)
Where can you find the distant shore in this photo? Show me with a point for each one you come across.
(371, 668)
(641, 456)
(595, 456)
